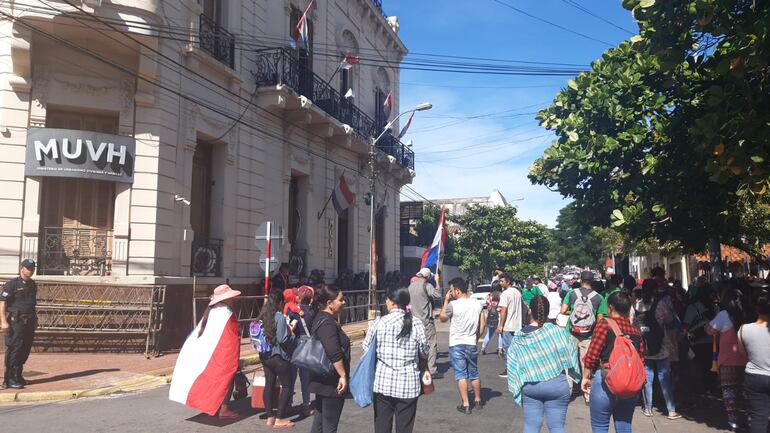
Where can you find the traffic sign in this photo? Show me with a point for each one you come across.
(273, 265)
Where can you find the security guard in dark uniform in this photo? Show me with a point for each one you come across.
(18, 321)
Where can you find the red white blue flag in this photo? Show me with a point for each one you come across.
(301, 31)
(388, 104)
(431, 259)
(408, 124)
(342, 198)
(207, 364)
(349, 61)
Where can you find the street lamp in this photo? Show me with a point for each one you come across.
(372, 183)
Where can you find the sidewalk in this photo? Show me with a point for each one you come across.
(66, 376)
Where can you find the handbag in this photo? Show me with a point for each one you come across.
(310, 355)
(362, 379)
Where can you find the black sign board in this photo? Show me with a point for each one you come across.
(80, 154)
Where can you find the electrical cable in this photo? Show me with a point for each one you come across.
(558, 26)
(581, 8)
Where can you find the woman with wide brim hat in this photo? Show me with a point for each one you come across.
(204, 372)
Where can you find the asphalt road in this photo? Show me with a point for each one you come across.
(151, 411)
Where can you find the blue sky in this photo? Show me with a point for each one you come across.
(460, 157)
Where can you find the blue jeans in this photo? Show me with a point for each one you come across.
(605, 405)
(464, 359)
(548, 399)
(506, 338)
(663, 367)
(488, 336)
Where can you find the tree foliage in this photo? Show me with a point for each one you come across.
(494, 238)
(574, 243)
(666, 138)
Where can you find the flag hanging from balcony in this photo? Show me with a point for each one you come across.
(388, 104)
(348, 62)
(301, 31)
(350, 94)
(431, 259)
(408, 124)
(342, 198)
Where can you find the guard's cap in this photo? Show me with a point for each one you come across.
(29, 264)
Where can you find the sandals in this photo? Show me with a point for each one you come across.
(289, 424)
(673, 415)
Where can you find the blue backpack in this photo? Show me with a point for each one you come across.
(258, 338)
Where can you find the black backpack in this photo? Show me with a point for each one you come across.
(652, 332)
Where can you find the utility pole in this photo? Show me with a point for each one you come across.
(372, 237)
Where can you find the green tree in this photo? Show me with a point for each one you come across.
(494, 238)
(574, 243)
(626, 153)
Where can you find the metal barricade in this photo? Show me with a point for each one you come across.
(357, 305)
(247, 308)
(107, 314)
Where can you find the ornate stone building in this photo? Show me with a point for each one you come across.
(144, 141)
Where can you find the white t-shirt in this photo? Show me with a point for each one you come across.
(511, 299)
(464, 326)
(554, 302)
(722, 322)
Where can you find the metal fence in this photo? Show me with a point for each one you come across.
(105, 315)
(217, 41)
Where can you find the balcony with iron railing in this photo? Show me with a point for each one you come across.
(217, 41)
(75, 251)
(281, 66)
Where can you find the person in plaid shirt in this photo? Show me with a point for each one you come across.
(603, 403)
(401, 347)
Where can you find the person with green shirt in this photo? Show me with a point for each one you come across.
(530, 290)
(582, 305)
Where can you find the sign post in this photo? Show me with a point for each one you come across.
(272, 235)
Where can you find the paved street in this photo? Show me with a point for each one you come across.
(151, 411)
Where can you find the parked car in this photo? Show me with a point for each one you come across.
(480, 294)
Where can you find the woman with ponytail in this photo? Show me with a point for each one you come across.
(538, 358)
(401, 348)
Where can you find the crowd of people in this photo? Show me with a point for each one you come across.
(558, 341)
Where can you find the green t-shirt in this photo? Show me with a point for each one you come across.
(528, 294)
(603, 305)
(571, 297)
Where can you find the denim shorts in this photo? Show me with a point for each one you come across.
(464, 361)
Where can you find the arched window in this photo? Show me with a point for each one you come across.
(349, 47)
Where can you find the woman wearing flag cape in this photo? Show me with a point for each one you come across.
(204, 372)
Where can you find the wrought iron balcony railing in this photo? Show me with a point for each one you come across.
(206, 258)
(217, 41)
(70, 251)
(283, 66)
(378, 5)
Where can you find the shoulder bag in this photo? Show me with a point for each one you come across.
(310, 354)
(362, 379)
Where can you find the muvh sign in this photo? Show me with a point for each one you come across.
(80, 154)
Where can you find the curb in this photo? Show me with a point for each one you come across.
(150, 380)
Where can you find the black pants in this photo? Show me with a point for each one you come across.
(277, 368)
(327, 414)
(18, 340)
(756, 393)
(385, 408)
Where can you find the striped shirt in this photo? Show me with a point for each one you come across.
(540, 355)
(397, 374)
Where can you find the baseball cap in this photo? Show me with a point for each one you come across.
(586, 276)
(529, 280)
(424, 272)
(29, 264)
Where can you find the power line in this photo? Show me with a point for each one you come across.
(429, 64)
(558, 26)
(581, 8)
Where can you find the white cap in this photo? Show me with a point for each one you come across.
(424, 273)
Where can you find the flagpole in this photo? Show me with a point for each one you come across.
(320, 214)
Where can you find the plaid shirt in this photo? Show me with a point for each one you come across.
(540, 355)
(397, 374)
(604, 339)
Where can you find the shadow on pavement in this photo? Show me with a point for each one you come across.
(72, 375)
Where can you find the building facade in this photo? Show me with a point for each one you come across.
(144, 141)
